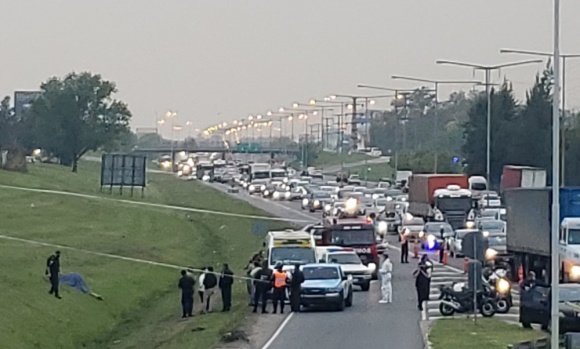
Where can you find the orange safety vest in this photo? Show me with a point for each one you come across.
(279, 279)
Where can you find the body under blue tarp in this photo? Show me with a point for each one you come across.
(74, 280)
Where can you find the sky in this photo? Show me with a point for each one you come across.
(215, 61)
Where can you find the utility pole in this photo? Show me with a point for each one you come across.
(488, 69)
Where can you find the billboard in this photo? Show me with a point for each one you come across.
(123, 170)
(23, 100)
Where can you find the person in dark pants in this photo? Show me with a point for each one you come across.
(423, 281)
(262, 283)
(53, 270)
(279, 294)
(225, 283)
(209, 283)
(296, 288)
(186, 283)
(442, 246)
(404, 249)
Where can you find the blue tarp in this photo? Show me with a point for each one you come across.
(74, 280)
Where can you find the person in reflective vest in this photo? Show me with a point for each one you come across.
(279, 293)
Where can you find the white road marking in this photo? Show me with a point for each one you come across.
(278, 331)
(150, 204)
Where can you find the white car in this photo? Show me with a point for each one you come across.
(350, 263)
(490, 200)
(326, 285)
(455, 242)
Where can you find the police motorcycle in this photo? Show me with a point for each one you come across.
(459, 299)
(497, 279)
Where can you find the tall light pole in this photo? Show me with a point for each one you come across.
(331, 101)
(564, 58)
(436, 84)
(488, 69)
(555, 270)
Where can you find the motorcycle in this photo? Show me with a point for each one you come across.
(502, 289)
(460, 300)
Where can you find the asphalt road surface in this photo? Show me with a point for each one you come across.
(367, 324)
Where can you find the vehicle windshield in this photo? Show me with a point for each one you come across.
(461, 233)
(344, 258)
(496, 240)
(321, 195)
(278, 174)
(261, 175)
(492, 225)
(382, 202)
(574, 236)
(570, 294)
(478, 186)
(435, 228)
(490, 197)
(454, 204)
(292, 255)
(320, 273)
(352, 237)
(488, 213)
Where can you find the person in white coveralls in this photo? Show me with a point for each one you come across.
(386, 272)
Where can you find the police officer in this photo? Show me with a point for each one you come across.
(186, 283)
(262, 283)
(225, 284)
(404, 248)
(279, 282)
(296, 288)
(53, 270)
(442, 246)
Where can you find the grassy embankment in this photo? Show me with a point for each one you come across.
(141, 307)
(325, 159)
(485, 334)
(373, 172)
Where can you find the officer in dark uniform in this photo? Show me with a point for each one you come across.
(186, 284)
(52, 270)
(296, 288)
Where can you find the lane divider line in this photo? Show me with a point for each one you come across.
(278, 331)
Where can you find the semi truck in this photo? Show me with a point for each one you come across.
(522, 177)
(529, 216)
(441, 197)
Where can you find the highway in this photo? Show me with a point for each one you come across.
(367, 324)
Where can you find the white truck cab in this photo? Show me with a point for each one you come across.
(570, 249)
(290, 248)
(452, 191)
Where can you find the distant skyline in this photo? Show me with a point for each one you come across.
(215, 61)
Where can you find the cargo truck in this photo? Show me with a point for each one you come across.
(529, 213)
(522, 177)
(441, 197)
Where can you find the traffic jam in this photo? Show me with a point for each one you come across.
(433, 213)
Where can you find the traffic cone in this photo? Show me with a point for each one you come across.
(416, 251)
(520, 273)
(465, 264)
(444, 257)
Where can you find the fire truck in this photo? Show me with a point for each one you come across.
(358, 233)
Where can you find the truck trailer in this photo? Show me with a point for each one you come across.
(529, 217)
(441, 197)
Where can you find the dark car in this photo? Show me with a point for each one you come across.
(318, 199)
(535, 306)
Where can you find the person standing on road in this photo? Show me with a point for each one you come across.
(225, 283)
(404, 249)
(201, 287)
(53, 271)
(209, 285)
(279, 294)
(423, 281)
(262, 283)
(186, 284)
(386, 277)
(296, 288)
(442, 246)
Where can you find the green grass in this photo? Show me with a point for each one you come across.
(141, 307)
(485, 334)
(325, 159)
(377, 171)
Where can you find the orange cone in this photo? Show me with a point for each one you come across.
(520, 273)
(465, 264)
(444, 257)
(415, 251)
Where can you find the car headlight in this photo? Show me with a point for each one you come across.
(266, 192)
(421, 234)
(575, 272)
(327, 208)
(485, 233)
(287, 194)
(372, 267)
(382, 227)
(490, 253)
(304, 202)
(179, 173)
(316, 203)
(334, 290)
(503, 286)
(285, 180)
(262, 187)
(470, 225)
(276, 195)
(252, 187)
(375, 196)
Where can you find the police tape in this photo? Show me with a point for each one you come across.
(128, 259)
(150, 204)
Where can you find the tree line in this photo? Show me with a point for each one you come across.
(455, 131)
(69, 117)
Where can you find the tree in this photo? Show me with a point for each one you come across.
(77, 114)
(16, 136)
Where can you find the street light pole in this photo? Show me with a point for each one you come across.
(488, 69)
(555, 270)
(436, 84)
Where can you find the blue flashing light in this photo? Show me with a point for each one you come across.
(455, 159)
